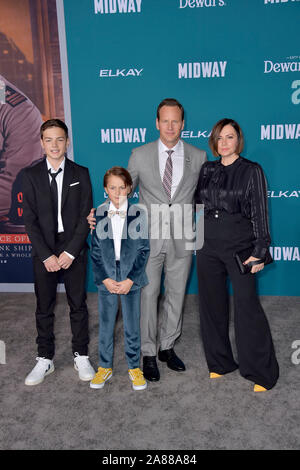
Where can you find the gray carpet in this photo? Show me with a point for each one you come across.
(183, 411)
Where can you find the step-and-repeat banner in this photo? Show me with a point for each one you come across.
(219, 58)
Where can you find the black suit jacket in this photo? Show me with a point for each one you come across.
(38, 215)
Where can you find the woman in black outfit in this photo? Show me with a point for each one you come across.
(233, 191)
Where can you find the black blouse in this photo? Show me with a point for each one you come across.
(237, 188)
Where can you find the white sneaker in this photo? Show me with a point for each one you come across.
(83, 367)
(43, 367)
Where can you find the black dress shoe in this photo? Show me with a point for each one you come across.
(150, 369)
(173, 361)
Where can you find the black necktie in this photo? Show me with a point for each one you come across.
(54, 197)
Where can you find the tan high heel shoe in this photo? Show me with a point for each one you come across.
(259, 388)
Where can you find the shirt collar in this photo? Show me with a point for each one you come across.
(123, 206)
(62, 166)
(178, 148)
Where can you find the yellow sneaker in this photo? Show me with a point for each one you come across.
(214, 375)
(101, 377)
(259, 388)
(137, 378)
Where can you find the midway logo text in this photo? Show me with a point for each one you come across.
(117, 6)
(202, 69)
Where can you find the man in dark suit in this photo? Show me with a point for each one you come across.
(57, 197)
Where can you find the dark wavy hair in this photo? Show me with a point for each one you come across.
(54, 123)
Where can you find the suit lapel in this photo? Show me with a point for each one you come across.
(45, 183)
(67, 180)
(156, 171)
(155, 154)
(109, 242)
(125, 234)
(109, 251)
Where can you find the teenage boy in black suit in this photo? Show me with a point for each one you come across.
(57, 197)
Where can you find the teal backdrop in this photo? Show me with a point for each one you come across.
(231, 58)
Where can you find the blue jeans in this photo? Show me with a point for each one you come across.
(108, 309)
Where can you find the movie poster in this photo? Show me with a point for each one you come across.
(31, 91)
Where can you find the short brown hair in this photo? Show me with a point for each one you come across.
(54, 123)
(118, 171)
(213, 139)
(170, 102)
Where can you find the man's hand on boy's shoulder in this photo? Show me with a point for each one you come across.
(92, 219)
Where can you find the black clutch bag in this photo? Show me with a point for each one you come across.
(242, 255)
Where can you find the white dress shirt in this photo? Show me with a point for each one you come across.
(177, 160)
(117, 223)
(59, 181)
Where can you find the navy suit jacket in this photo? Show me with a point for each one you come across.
(135, 247)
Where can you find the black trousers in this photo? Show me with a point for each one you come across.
(215, 262)
(45, 289)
